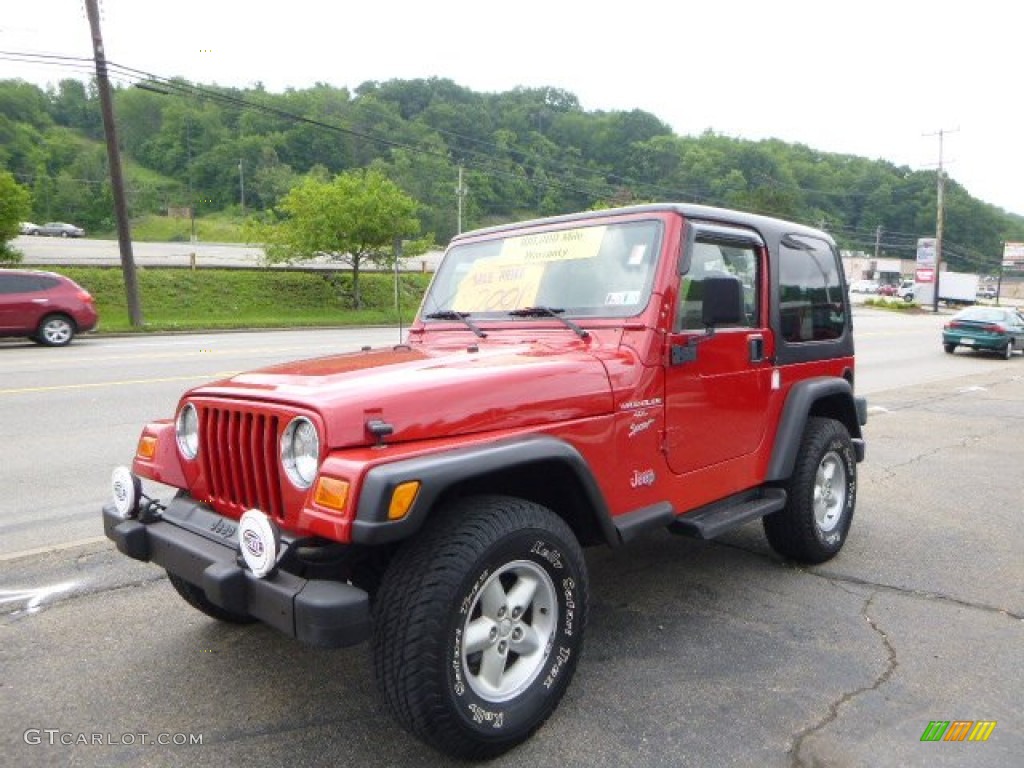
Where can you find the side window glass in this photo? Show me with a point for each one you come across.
(811, 305)
(710, 258)
(17, 284)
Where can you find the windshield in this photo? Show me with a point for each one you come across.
(983, 314)
(589, 270)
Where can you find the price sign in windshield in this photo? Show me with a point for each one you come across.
(511, 279)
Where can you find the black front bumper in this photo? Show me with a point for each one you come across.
(200, 546)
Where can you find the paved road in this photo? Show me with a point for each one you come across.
(697, 653)
(53, 252)
(69, 415)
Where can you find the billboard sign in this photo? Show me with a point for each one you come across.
(925, 251)
(1013, 255)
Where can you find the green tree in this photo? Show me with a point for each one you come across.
(354, 218)
(15, 204)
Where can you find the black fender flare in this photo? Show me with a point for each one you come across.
(438, 472)
(830, 396)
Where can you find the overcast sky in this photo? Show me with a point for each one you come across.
(867, 78)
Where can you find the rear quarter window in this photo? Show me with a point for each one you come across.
(811, 305)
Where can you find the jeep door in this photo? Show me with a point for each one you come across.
(718, 381)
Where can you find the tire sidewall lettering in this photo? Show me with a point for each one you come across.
(547, 552)
(833, 540)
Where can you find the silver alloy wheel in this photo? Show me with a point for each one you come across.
(56, 331)
(1009, 349)
(508, 631)
(829, 492)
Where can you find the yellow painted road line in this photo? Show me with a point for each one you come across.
(124, 383)
(174, 355)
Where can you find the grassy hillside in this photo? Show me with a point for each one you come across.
(179, 299)
(211, 228)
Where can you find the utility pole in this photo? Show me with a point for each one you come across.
(398, 294)
(940, 215)
(241, 183)
(460, 192)
(191, 190)
(878, 240)
(124, 237)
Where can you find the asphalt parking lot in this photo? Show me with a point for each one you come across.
(697, 653)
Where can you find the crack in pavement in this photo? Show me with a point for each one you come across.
(834, 578)
(796, 760)
(918, 593)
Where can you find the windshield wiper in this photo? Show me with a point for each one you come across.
(551, 312)
(462, 317)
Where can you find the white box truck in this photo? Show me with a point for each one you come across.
(955, 289)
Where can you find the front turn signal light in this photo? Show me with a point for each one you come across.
(146, 448)
(331, 493)
(402, 499)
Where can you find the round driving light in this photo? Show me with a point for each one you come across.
(126, 489)
(300, 452)
(186, 428)
(258, 539)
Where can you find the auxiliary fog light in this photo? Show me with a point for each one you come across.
(259, 540)
(126, 489)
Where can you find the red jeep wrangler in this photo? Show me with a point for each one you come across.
(570, 381)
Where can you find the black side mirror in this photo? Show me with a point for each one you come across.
(723, 301)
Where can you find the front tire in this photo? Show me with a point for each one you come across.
(479, 625)
(821, 492)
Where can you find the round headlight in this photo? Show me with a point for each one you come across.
(300, 452)
(187, 430)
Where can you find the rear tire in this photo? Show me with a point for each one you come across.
(1008, 352)
(55, 331)
(195, 597)
(950, 348)
(479, 625)
(821, 492)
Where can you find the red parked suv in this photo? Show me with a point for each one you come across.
(569, 382)
(44, 306)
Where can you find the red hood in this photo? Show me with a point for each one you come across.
(438, 390)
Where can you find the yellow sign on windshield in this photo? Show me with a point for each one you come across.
(511, 279)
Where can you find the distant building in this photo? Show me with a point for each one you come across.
(861, 266)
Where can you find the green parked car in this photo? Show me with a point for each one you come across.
(989, 329)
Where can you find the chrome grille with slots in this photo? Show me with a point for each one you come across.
(239, 451)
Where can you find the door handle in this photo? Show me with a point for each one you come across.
(756, 346)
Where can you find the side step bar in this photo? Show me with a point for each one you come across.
(714, 520)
